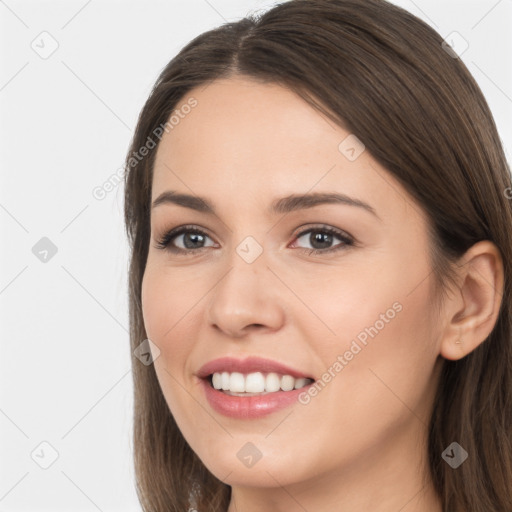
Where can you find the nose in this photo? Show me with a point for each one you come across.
(248, 297)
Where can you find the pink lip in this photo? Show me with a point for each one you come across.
(249, 407)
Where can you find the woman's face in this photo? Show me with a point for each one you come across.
(355, 316)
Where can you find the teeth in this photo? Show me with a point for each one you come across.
(272, 382)
(225, 381)
(300, 383)
(287, 382)
(237, 382)
(217, 380)
(256, 382)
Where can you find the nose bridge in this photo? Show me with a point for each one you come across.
(248, 266)
(244, 295)
(250, 250)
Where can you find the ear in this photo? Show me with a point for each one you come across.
(472, 311)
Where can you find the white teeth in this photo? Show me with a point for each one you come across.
(217, 380)
(225, 381)
(256, 382)
(237, 382)
(272, 382)
(287, 382)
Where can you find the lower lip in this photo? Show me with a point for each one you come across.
(249, 407)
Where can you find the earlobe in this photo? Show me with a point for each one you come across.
(473, 310)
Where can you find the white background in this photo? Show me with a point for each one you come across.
(65, 125)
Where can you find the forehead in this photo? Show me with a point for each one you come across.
(240, 124)
(248, 141)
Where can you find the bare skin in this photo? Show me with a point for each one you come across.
(360, 443)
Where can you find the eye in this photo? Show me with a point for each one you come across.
(190, 238)
(321, 238)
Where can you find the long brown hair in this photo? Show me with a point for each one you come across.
(383, 75)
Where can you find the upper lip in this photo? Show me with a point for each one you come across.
(248, 365)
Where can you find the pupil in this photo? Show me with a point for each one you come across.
(194, 237)
(317, 238)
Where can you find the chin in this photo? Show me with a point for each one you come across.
(241, 462)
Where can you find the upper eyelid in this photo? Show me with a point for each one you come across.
(297, 232)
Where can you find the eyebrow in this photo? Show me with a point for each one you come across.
(283, 205)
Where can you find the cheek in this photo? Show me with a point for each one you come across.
(155, 301)
(369, 396)
(166, 301)
(388, 356)
(380, 323)
(168, 320)
(344, 302)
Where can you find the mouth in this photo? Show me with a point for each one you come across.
(255, 383)
(251, 388)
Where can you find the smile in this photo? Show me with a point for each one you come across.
(255, 384)
(252, 387)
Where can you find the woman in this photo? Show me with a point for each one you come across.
(317, 207)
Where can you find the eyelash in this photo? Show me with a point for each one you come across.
(165, 242)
